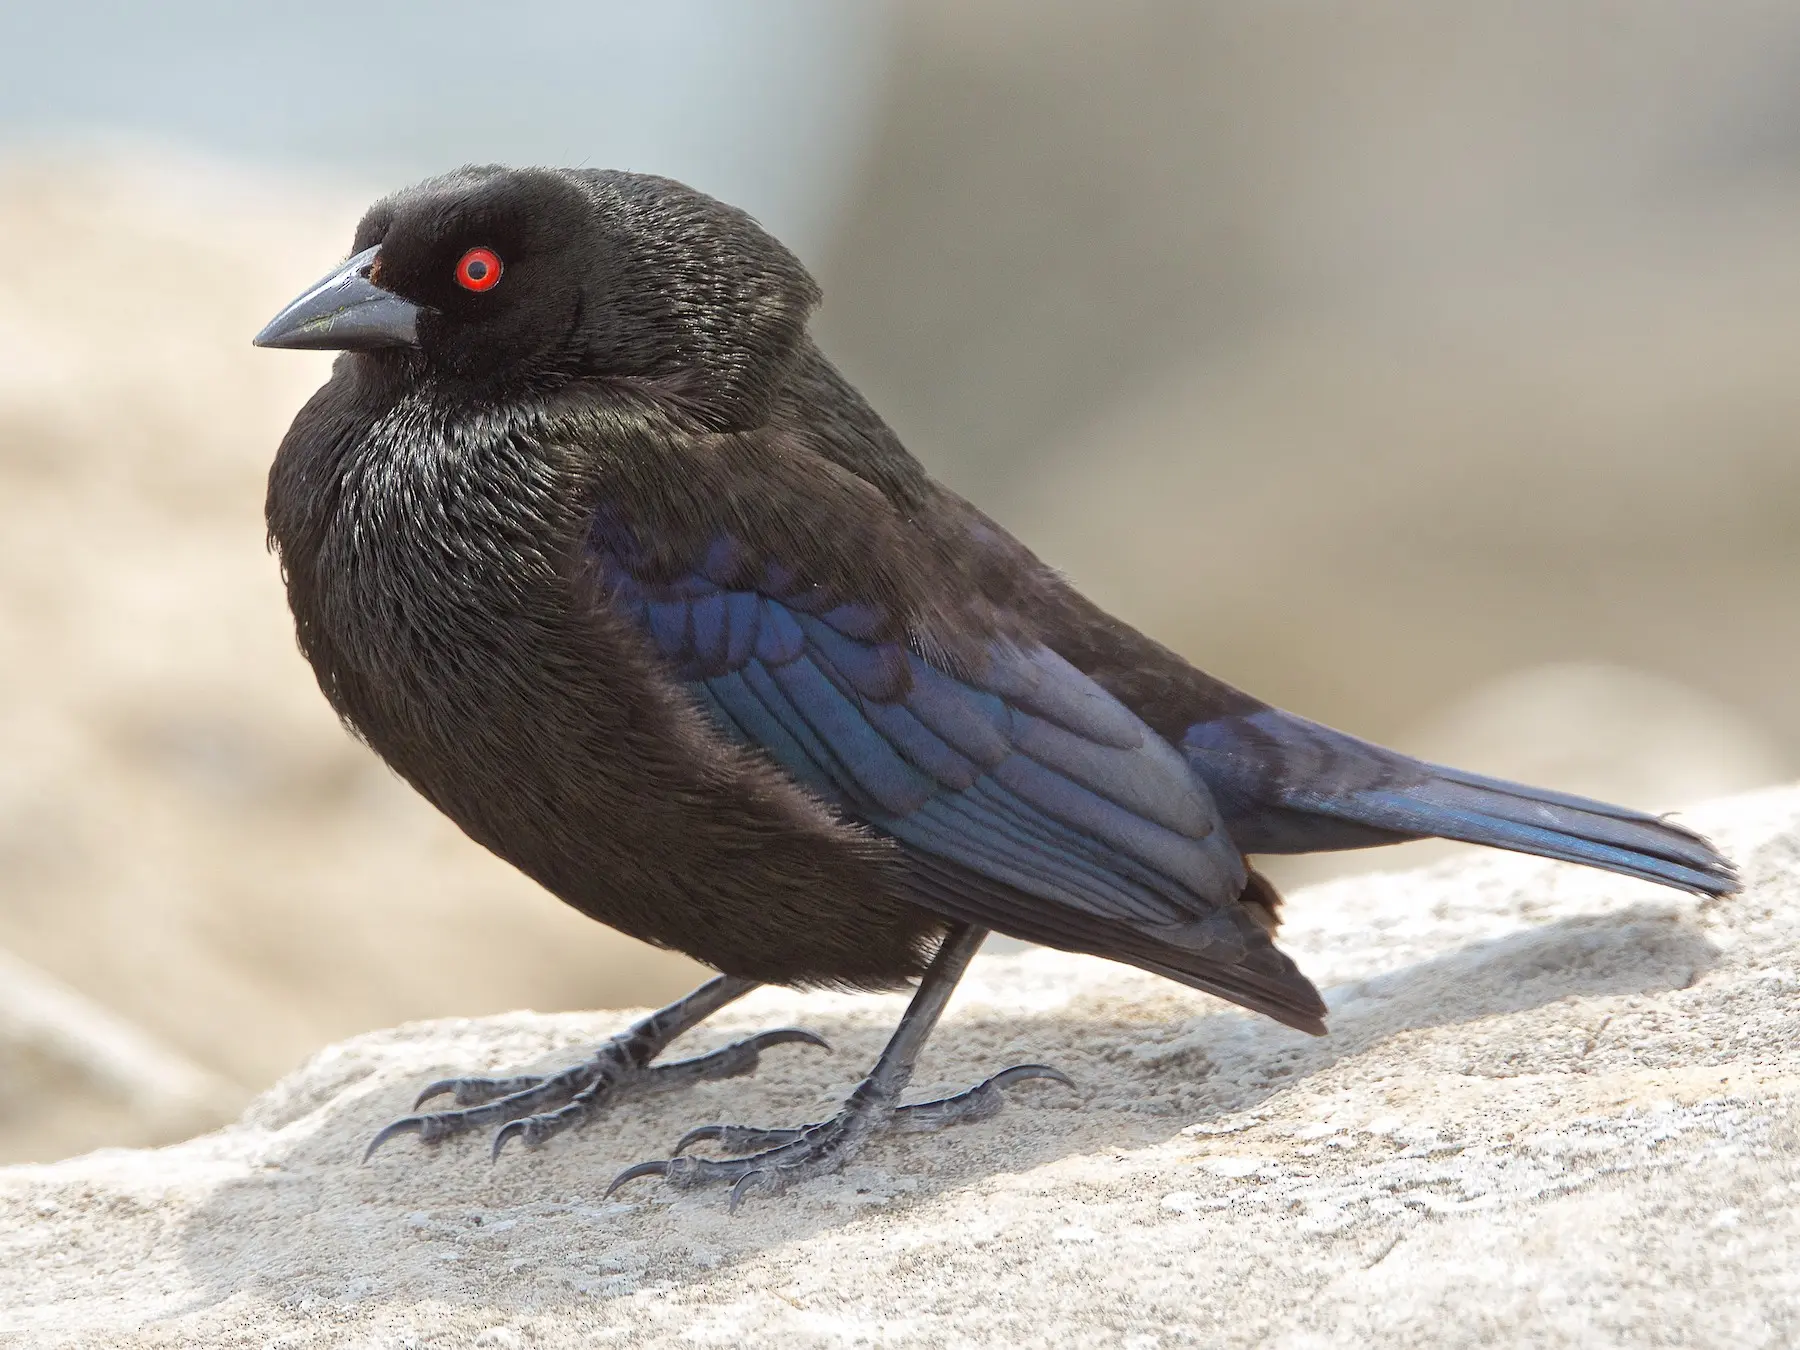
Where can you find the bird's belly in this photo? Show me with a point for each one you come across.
(550, 735)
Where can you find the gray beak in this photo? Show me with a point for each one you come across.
(345, 312)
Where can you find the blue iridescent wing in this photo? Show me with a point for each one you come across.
(1025, 772)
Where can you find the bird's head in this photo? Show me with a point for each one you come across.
(499, 277)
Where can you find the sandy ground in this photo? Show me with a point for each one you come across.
(1557, 1108)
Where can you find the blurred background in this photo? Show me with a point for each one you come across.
(1433, 371)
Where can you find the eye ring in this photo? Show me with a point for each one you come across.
(478, 270)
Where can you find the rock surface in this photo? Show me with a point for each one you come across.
(1557, 1108)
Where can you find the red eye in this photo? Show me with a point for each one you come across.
(478, 270)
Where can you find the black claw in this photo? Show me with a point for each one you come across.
(976, 1103)
(436, 1089)
(536, 1106)
(697, 1135)
(741, 1138)
(1020, 1073)
(517, 1110)
(745, 1184)
(783, 1157)
(507, 1132)
(777, 1157)
(636, 1170)
(728, 1061)
(479, 1091)
(788, 1036)
(404, 1125)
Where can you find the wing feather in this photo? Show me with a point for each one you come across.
(1024, 795)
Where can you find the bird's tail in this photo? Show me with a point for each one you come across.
(1287, 785)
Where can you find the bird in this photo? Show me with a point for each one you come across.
(588, 539)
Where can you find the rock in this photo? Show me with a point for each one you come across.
(1557, 1108)
(72, 1073)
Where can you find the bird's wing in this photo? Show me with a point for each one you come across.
(1024, 796)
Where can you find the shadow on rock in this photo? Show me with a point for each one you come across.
(1646, 949)
(532, 1233)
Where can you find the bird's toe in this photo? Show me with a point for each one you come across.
(771, 1160)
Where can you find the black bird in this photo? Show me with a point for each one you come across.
(590, 542)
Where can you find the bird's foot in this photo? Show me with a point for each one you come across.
(536, 1107)
(776, 1158)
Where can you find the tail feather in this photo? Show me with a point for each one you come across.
(1232, 956)
(1287, 785)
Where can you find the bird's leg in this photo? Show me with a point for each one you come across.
(784, 1156)
(536, 1106)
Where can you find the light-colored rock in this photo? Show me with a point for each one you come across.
(1557, 1108)
(69, 1067)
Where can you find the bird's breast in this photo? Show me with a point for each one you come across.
(438, 586)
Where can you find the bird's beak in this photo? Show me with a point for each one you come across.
(345, 312)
